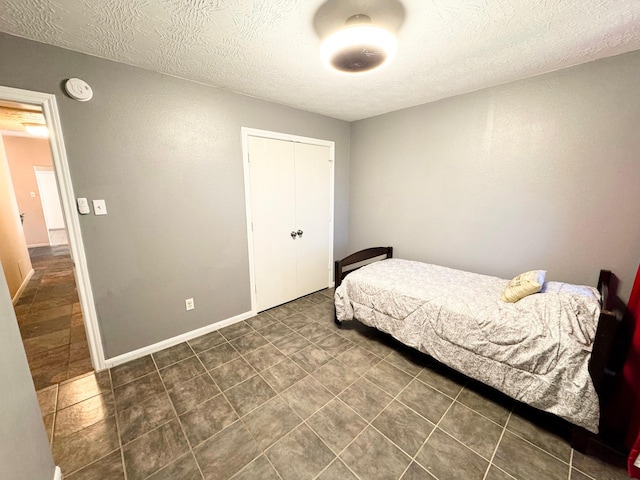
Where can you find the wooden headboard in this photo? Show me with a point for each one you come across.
(341, 270)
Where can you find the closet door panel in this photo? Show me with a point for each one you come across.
(272, 176)
(312, 205)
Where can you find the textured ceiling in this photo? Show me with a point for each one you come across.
(269, 48)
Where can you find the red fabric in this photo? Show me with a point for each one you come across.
(631, 377)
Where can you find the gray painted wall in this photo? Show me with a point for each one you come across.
(166, 155)
(540, 173)
(24, 449)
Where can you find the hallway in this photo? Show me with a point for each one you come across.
(50, 319)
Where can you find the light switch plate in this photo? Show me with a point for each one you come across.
(99, 207)
(83, 206)
(189, 304)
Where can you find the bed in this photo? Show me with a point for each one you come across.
(548, 350)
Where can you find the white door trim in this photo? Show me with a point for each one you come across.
(252, 132)
(49, 107)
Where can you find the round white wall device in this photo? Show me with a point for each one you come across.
(78, 89)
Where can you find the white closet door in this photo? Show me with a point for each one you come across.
(272, 175)
(313, 168)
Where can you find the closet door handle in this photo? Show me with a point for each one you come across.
(293, 234)
(300, 232)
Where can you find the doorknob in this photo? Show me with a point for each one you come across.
(300, 232)
(293, 234)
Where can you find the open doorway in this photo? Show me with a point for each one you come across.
(44, 290)
(51, 277)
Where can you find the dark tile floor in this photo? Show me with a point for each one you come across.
(50, 319)
(288, 395)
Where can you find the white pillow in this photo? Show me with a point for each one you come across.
(523, 285)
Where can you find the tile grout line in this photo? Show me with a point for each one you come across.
(207, 371)
(538, 447)
(48, 265)
(243, 469)
(585, 474)
(115, 404)
(147, 400)
(262, 450)
(259, 373)
(455, 400)
(570, 464)
(222, 392)
(240, 420)
(278, 394)
(286, 357)
(368, 423)
(495, 450)
(504, 429)
(361, 376)
(55, 415)
(271, 463)
(337, 455)
(184, 433)
(262, 346)
(88, 426)
(481, 414)
(334, 356)
(435, 427)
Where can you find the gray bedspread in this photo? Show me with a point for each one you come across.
(535, 350)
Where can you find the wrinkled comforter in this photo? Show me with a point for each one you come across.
(535, 350)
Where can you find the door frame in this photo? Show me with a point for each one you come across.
(47, 102)
(253, 132)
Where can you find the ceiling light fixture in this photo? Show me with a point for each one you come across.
(36, 129)
(359, 47)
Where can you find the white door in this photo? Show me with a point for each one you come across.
(50, 199)
(290, 193)
(272, 167)
(313, 170)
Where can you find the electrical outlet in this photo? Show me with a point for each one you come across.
(188, 303)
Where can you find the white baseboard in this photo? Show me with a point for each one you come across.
(57, 475)
(39, 245)
(16, 297)
(170, 342)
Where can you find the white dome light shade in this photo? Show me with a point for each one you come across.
(358, 48)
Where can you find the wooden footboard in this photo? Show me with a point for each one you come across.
(608, 327)
(602, 375)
